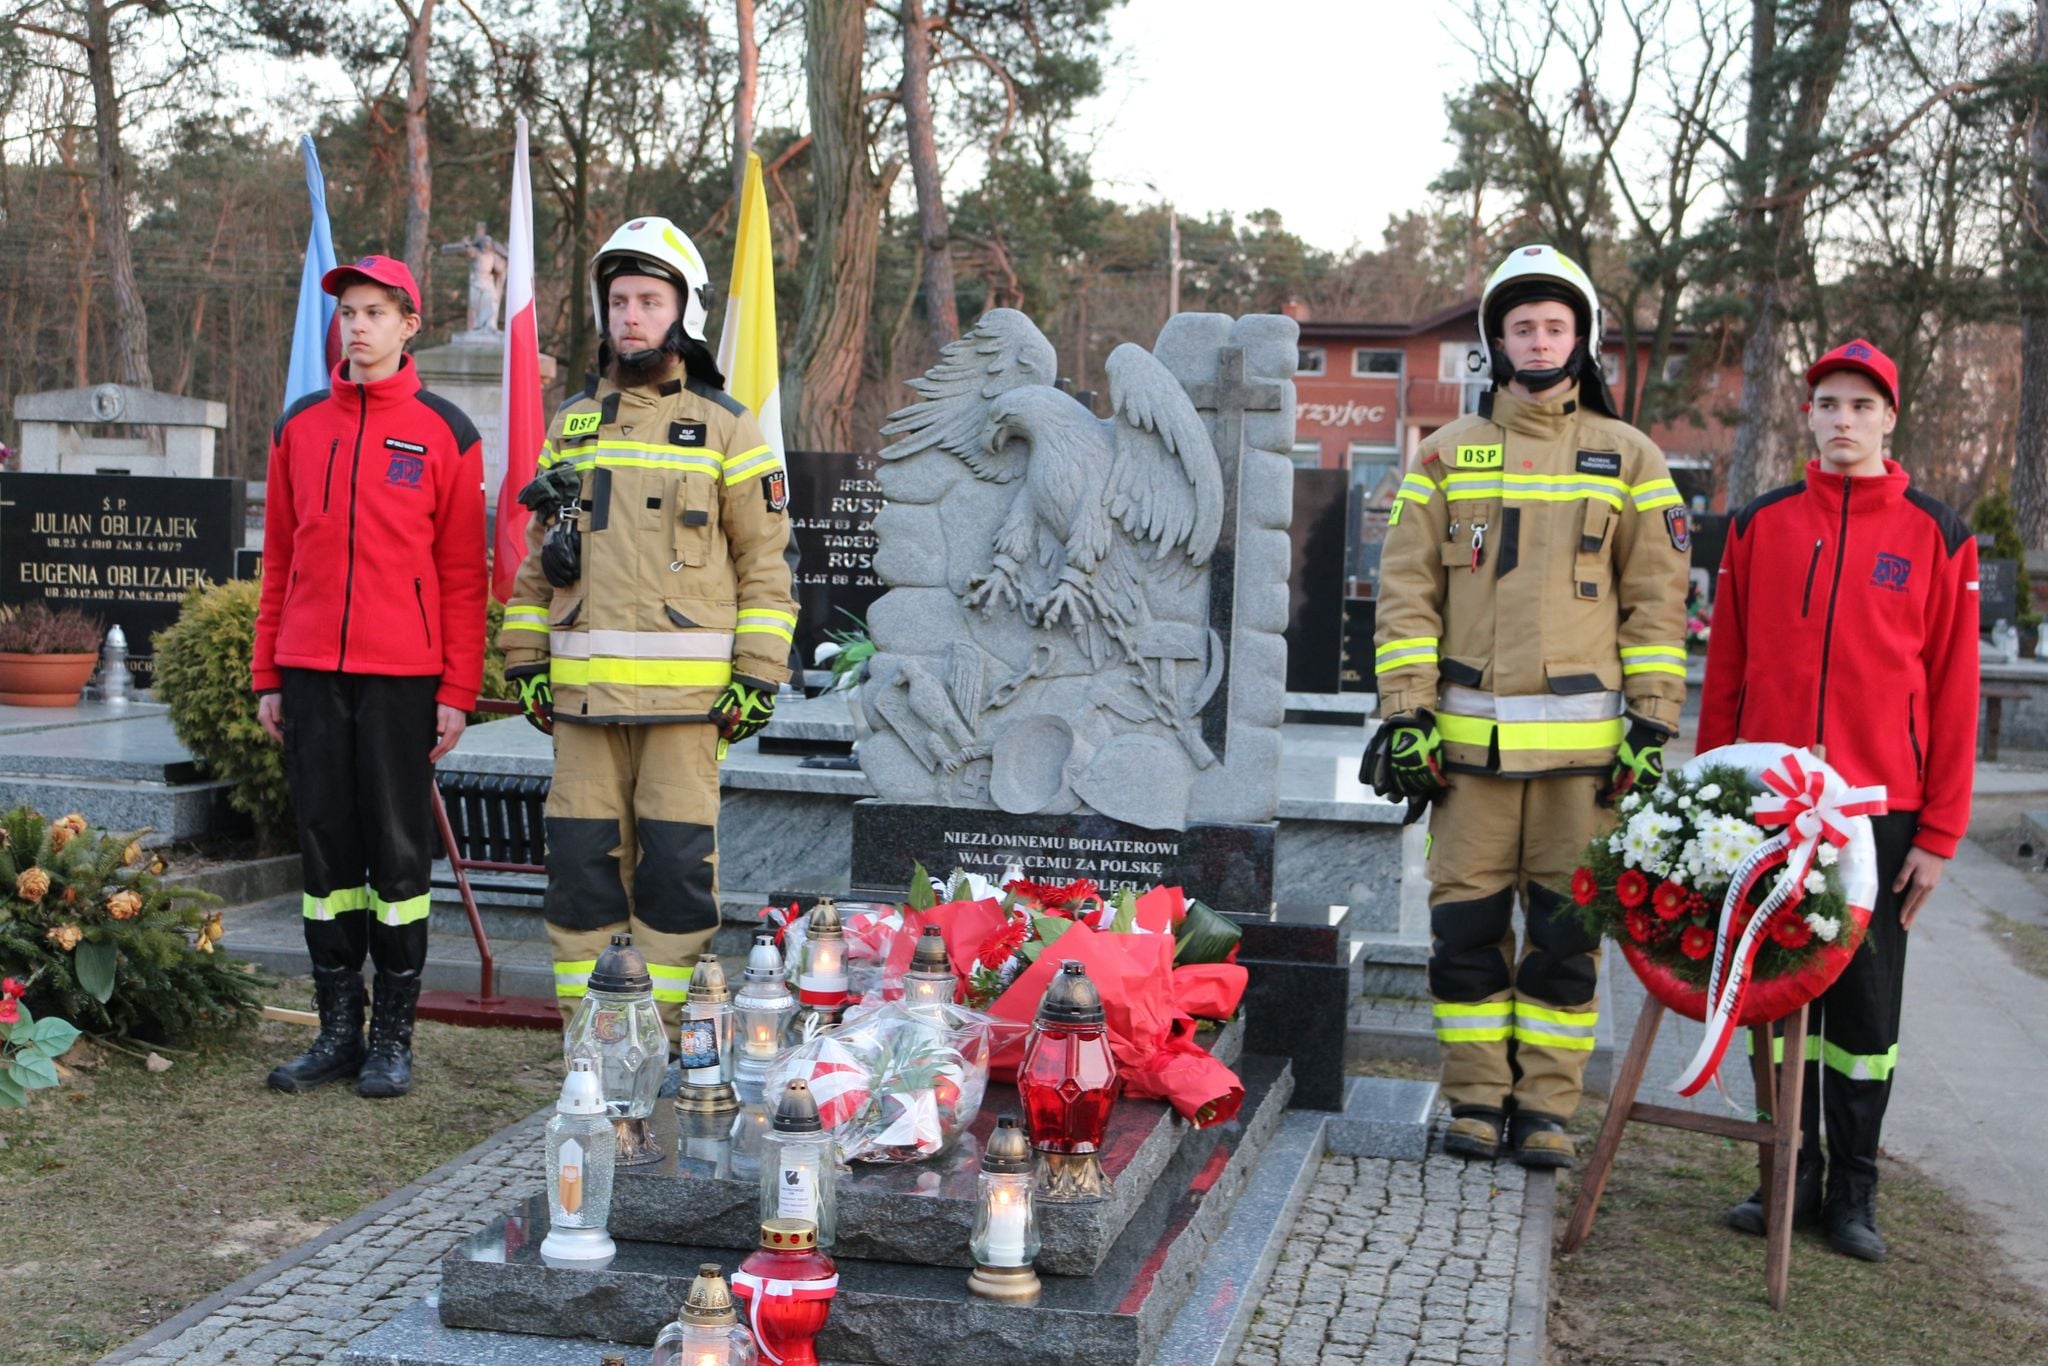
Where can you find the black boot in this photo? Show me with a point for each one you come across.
(387, 1071)
(338, 1050)
(1748, 1217)
(1851, 1216)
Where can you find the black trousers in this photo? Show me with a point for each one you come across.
(356, 749)
(1852, 1031)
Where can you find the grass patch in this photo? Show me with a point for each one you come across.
(2025, 941)
(131, 1194)
(1660, 1279)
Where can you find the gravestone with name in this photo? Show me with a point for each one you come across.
(1315, 582)
(117, 429)
(1998, 596)
(125, 549)
(1080, 659)
(833, 499)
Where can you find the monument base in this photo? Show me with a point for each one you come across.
(1228, 866)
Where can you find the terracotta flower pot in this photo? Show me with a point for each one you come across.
(43, 680)
(1762, 1000)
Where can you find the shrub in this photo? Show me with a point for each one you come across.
(95, 937)
(202, 671)
(36, 630)
(1995, 516)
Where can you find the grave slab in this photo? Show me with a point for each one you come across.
(1383, 1117)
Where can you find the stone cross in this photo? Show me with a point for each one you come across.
(1229, 396)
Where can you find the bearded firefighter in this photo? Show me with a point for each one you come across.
(1530, 653)
(651, 621)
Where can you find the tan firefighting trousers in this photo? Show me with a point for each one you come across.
(632, 826)
(1509, 1026)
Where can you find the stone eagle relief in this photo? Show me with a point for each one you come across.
(1046, 645)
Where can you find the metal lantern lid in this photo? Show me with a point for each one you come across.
(709, 1303)
(930, 957)
(1071, 999)
(581, 1094)
(707, 982)
(788, 1235)
(621, 970)
(824, 921)
(764, 960)
(798, 1111)
(1008, 1150)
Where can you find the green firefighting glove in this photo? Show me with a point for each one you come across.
(1404, 761)
(1639, 762)
(743, 709)
(536, 694)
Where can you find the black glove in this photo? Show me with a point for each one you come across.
(1639, 761)
(536, 694)
(561, 550)
(743, 709)
(1404, 761)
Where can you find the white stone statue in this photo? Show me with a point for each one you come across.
(487, 265)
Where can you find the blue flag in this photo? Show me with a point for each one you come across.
(309, 373)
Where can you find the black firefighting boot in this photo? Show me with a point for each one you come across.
(1474, 1133)
(1539, 1141)
(1748, 1217)
(1851, 1218)
(387, 1071)
(337, 1051)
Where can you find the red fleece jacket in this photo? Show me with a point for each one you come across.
(373, 538)
(1847, 617)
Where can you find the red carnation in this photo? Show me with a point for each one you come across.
(12, 989)
(1696, 942)
(1789, 930)
(1669, 901)
(1632, 889)
(1584, 886)
(1640, 926)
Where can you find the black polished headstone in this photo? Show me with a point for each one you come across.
(1297, 999)
(125, 548)
(1998, 596)
(833, 499)
(1228, 866)
(1315, 582)
(1356, 675)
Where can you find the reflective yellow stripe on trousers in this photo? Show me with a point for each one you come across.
(1552, 1028)
(1474, 1022)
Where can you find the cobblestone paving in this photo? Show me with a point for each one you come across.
(1394, 1262)
(355, 1283)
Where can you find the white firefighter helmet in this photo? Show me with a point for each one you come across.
(661, 249)
(1540, 272)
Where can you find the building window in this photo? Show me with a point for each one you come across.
(1376, 468)
(1310, 361)
(1367, 364)
(1307, 455)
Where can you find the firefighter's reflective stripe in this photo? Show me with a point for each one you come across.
(639, 645)
(1859, 1066)
(1528, 737)
(1553, 1028)
(670, 983)
(526, 619)
(1400, 654)
(1416, 488)
(1583, 706)
(750, 464)
(572, 979)
(1813, 1042)
(1478, 1022)
(653, 673)
(1535, 488)
(768, 621)
(402, 912)
(1653, 659)
(1658, 493)
(641, 455)
(334, 903)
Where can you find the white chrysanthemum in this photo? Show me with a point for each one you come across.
(1816, 883)
(1631, 802)
(1829, 855)
(1685, 803)
(1677, 874)
(1823, 928)
(1710, 792)
(1614, 842)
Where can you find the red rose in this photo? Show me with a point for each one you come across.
(1584, 886)
(1696, 942)
(12, 989)
(1632, 889)
(1789, 930)
(1640, 925)
(1669, 900)
(10, 1010)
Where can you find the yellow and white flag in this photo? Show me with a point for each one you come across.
(747, 346)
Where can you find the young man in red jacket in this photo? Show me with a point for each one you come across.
(1847, 619)
(369, 653)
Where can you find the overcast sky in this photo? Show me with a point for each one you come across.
(1330, 111)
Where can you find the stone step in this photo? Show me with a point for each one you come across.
(170, 811)
(1383, 1117)
(887, 1312)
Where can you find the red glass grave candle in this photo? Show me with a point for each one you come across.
(1069, 1085)
(784, 1290)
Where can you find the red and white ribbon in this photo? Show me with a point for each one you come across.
(1811, 804)
(758, 1288)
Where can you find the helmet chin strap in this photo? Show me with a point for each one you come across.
(1549, 377)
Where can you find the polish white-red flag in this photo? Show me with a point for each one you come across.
(522, 421)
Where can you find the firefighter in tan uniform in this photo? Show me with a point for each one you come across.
(1530, 653)
(652, 618)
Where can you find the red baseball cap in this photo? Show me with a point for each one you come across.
(381, 270)
(1865, 359)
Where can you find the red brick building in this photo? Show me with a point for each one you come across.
(1368, 392)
